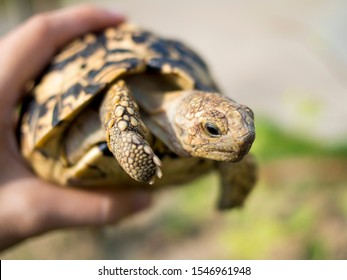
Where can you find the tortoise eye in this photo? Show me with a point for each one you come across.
(212, 129)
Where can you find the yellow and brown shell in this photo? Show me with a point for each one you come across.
(89, 65)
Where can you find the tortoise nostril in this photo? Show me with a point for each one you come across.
(247, 115)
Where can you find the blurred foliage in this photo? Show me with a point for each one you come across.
(272, 142)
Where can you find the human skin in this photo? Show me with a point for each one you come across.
(30, 206)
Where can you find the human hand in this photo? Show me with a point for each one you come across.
(28, 205)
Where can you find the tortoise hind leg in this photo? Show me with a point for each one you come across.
(126, 134)
(237, 181)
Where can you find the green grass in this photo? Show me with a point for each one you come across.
(273, 143)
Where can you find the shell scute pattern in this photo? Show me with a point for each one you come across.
(140, 37)
(177, 58)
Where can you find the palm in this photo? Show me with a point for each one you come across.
(28, 205)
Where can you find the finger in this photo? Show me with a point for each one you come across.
(26, 50)
(30, 207)
(63, 207)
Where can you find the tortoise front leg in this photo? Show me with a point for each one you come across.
(237, 181)
(126, 134)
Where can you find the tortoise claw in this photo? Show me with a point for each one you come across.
(126, 135)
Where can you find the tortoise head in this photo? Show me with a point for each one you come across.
(211, 126)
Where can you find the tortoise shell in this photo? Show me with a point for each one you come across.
(88, 65)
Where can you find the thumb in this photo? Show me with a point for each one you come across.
(65, 207)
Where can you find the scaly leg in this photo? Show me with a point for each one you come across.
(238, 179)
(126, 134)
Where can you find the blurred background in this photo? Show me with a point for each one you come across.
(287, 60)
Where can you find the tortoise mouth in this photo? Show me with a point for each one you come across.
(243, 150)
(234, 152)
(245, 144)
(247, 139)
(223, 155)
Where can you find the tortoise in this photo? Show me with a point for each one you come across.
(123, 106)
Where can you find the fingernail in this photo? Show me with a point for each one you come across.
(141, 201)
(117, 14)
